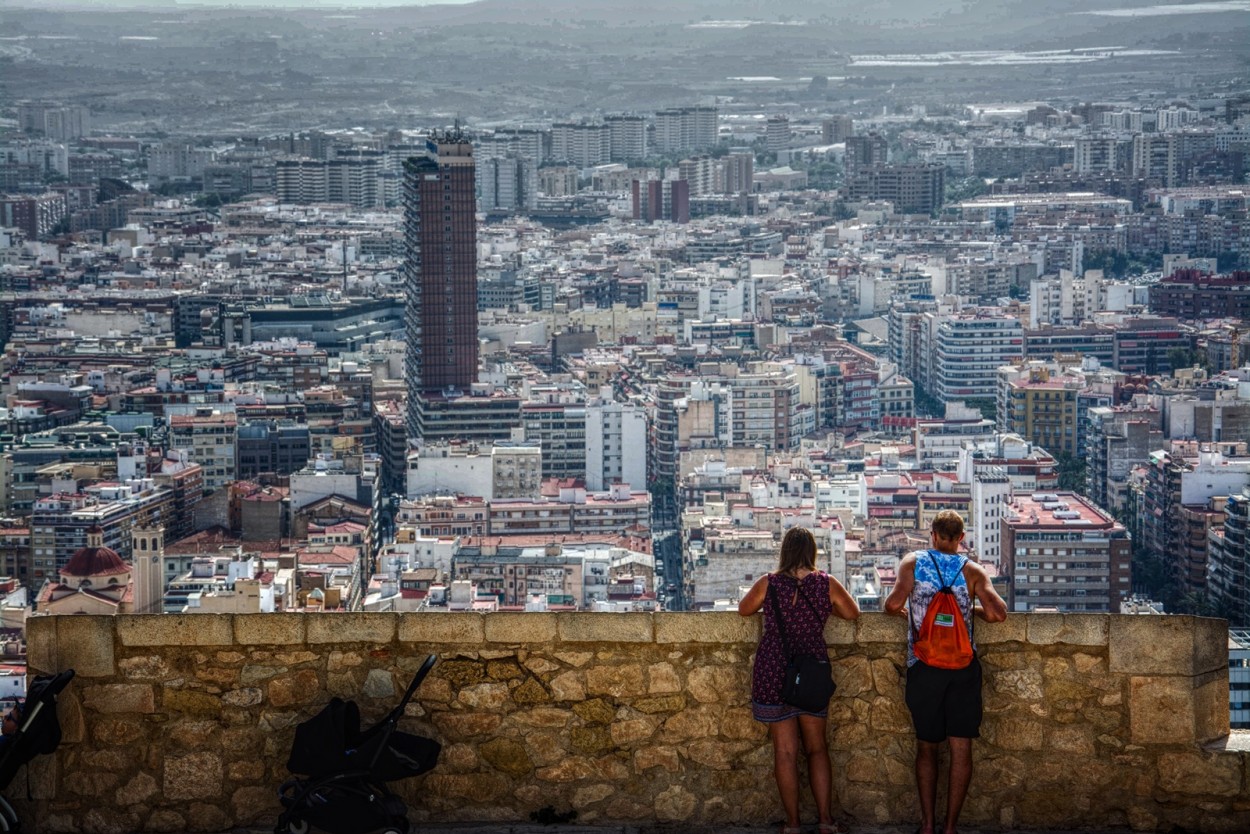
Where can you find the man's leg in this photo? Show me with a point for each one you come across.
(785, 736)
(960, 778)
(819, 769)
(925, 700)
(963, 724)
(926, 782)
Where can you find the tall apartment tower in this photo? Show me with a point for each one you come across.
(864, 151)
(836, 129)
(740, 171)
(440, 272)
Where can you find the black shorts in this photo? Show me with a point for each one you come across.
(944, 702)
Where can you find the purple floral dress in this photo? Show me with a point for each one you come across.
(804, 616)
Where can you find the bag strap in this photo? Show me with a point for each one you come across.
(781, 629)
(945, 585)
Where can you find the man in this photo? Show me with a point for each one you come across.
(945, 704)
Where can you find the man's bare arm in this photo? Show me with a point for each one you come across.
(897, 600)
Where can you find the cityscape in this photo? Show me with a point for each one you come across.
(481, 308)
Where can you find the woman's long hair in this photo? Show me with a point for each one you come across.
(798, 551)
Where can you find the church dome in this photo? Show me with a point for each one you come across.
(95, 559)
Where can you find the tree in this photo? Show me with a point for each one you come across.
(1071, 471)
(1182, 357)
(958, 190)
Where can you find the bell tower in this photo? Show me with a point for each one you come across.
(148, 553)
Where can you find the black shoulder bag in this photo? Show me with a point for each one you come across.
(808, 679)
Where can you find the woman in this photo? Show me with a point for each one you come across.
(805, 597)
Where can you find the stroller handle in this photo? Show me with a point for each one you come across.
(416, 681)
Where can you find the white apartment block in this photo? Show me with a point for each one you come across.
(699, 172)
(969, 349)
(47, 157)
(939, 440)
(177, 162)
(526, 142)
(1096, 154)
(1065, 299)
(684, 129)
(616, 443)
(211, 437)
(583, 145)
(507, 184)
(357, 181)
(627, 138)
(777, 133)
(508, 470)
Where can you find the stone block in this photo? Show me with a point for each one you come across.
(1210, 645)
(719, 627)
(269, 629)
(881, 628)
(441, 628)
(605, 628)
(1014, 629)
(377, 629)
(194, 776)
(120, 698)
(1161, 709)
(1211, 718)
(529, 627)
(1071, 629)
(1206, 774)
(626, 681)
(176, 629)
(1163, 645)
(839, 632)
(85, 644)
(41, 648)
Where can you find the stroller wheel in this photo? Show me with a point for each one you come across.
(297, 826)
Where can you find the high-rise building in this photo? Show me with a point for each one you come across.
(685, 129)
(913, 189)
(969, 349)
(777, 133)
(627, 136)
(1063, 553)
(661, 200)
(55, 121)
(698, 171)
(863, 151)
(507, 184)
(1229, 579)
(740, 171)
(354, 179)
(836, 129)
(583, 145)
(440, 271)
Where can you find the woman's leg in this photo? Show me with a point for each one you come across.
(819, 769)
(785, 735)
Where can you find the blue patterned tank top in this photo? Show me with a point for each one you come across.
(927, 585)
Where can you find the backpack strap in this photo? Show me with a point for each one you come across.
(781, 628)
(972, 617)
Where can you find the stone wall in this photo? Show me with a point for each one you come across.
(183, 723)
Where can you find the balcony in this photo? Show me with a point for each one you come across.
(184, 723)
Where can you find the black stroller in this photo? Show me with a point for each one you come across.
(38, 732)
(347, 770)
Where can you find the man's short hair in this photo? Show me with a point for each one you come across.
(948, 525)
